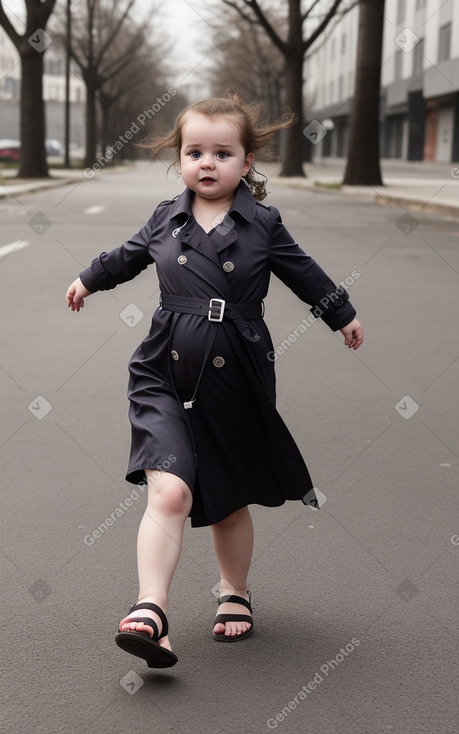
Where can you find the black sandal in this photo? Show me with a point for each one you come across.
(141, 644)
(234, 618)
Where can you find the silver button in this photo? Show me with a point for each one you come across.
(175, 355)
(218, 361)
(228, 266)
(182, 259)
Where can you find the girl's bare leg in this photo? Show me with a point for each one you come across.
(159, 544)
(233, 544)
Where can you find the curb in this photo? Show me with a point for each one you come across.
(361, 193)
(417, 205)
(9, 191)
(46, 183)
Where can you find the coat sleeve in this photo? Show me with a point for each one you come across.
(121, 264)
(306, 278)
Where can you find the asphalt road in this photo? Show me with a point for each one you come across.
(355, 606)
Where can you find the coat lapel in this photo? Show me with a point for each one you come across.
(204, 262)
(192, 235)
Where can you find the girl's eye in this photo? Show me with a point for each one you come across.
(195, 154)
(221, 155)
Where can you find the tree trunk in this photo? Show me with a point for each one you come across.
(33, 155)
(91, 126)
(292, 164)
(363, 167)
(105, 107)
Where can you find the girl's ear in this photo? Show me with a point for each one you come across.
(248, 160)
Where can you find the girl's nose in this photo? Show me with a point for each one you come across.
(207, 161)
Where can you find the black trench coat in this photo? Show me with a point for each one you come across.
(231, 447)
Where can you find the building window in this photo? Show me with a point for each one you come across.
(444, 43)
(343, 43)
(420, 4)
(398, 66)
(332, 49)
(401, 11)
(418, 57)
(54, 67)
(340, 88)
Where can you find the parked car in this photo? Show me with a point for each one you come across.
(54, 147)
(10, 150)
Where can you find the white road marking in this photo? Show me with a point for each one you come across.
(18, 245)
(97, 209)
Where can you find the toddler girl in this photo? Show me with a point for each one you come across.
(206, 435)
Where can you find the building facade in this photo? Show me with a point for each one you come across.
(419, 81)
(53, 93)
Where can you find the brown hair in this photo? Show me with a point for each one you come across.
(253, 136)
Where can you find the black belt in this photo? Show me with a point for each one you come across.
(215, 310)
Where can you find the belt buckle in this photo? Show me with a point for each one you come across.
(216, 309)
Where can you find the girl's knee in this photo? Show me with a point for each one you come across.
(168, 493)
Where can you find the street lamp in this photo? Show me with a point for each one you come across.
(67, 88)
(328, 125)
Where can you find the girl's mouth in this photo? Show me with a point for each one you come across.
(207, 179)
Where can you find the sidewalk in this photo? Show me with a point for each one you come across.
(10, 186)
(421, 186)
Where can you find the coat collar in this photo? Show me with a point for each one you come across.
(244, 203)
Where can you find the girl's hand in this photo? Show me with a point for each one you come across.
(353, 334)
(75, 295)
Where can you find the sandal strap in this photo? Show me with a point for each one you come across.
(222, 618)
(235, 600)
(159, 612)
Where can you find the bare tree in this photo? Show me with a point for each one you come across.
(31, 47)
(363, 168)
(303, 29)
(95, 33)
(137, 87)
(249, 64)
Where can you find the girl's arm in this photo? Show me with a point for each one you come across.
(312, 284)
(112, 268)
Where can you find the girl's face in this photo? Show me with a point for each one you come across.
(212, 159)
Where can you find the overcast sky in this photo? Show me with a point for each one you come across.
(184, 24)
(184, 20)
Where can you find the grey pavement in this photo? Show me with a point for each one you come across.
(355, 605)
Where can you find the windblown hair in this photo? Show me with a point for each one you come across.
(254, 135)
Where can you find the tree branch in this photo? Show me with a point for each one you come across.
(309, 10)
(114, 33)
(243, 15)
(321, 27)
(47, 8)
(263, 21)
